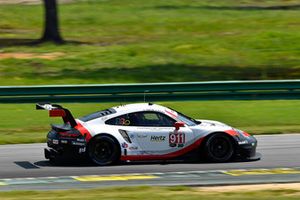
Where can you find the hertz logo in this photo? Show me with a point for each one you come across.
(157, 138)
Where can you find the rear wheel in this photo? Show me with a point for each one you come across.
(219, 148)
(104, 150)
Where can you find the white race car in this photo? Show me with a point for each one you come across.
(144, 131)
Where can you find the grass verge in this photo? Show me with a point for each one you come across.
(144, 192)
(125, 41)
(21, 123)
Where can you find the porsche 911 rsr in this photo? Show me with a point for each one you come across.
(141, 132)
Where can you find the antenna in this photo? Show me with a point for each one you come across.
(122, 100)
(145, 95)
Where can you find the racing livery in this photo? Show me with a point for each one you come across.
(144, 131)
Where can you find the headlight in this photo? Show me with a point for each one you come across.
(241, 134)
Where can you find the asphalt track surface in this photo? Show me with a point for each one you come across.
(278, 151)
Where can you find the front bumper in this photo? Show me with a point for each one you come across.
(246, 149)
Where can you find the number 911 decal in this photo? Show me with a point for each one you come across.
(176, 139)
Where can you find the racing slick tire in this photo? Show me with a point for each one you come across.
(219, 148)
(104, 150)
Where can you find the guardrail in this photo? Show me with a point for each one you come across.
(178, 91)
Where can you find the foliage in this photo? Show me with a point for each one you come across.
(122, 41)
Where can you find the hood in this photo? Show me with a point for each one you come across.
(211, 123)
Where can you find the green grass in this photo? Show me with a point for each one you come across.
(144, 192)
(22, 124)
(127, 41)
(155, 41)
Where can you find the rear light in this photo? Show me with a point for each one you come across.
(68, 134)
(125, 135)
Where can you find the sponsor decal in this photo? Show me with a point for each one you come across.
(180, 145)
(82, 150)
(124, 145)
(64, 141)
(66, 134)
(55, 141)
(78, 143)
(157, 138)
(176, 139)
(133, 148)
(142, 136)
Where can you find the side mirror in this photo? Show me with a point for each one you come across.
(177, 125)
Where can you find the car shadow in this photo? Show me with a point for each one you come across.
(87, 163)
(65, 163)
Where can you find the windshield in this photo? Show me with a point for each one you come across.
(187, 120)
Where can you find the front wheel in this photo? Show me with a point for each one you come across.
(104, 150)
(219, 148)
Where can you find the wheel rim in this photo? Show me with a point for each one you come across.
(103, 151)
(220, 147)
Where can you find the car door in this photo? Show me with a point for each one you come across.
(156, 135)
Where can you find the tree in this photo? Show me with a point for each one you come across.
(51, 25)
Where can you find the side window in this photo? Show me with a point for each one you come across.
(142, 119)
(132, 119)
(166, 120)
(150, 119)
(122, 120)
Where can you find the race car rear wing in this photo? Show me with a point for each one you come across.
(57, 111)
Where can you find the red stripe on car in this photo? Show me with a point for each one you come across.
(246, 134)
(231, 132)
(165, 156)
(83, 131)
(171, 114)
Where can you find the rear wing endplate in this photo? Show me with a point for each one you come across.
(56, 110)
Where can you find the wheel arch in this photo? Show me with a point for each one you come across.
(218, 132)
(205, 139)
(107, 135)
